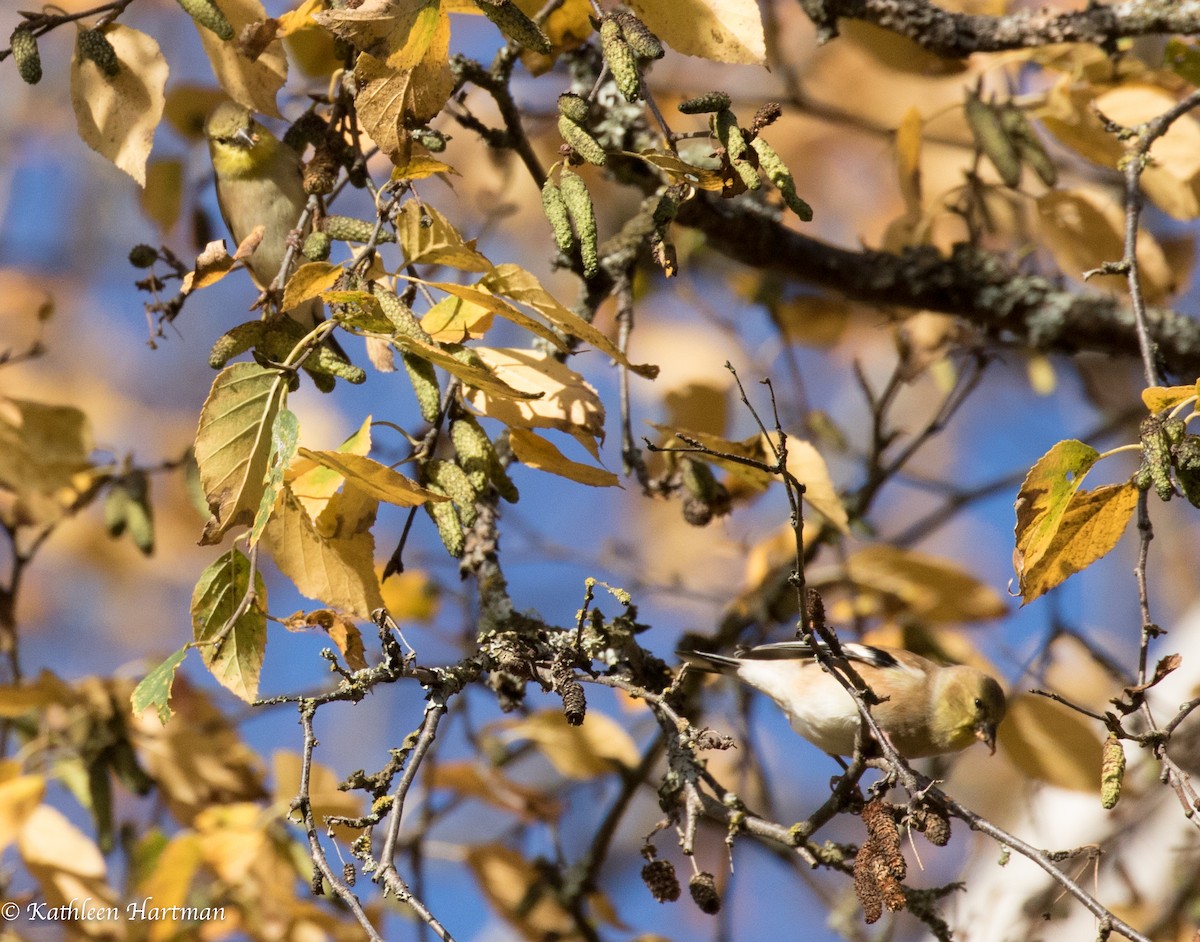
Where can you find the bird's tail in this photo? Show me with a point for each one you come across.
(706, 661)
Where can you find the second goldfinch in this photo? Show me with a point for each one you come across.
(928, 709)
(259, 182)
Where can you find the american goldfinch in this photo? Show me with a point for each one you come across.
(259, 182)
(927, 709)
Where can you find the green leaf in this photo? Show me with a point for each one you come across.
(1090, 527)
(1043, 499)
(154, 690)
(285, 434)
(237, 661)
(233, 444)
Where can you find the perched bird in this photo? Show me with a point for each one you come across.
(259, 182)
(927, 709)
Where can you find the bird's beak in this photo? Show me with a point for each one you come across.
(986, 734)
(245, 138)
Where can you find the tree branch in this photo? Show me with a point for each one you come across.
(956, 35)
(974, 285)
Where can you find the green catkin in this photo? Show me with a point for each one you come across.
(993, 140)
(348, 229)
(573, 106)
(725, 127)
(643, 42)
(709, 102)
(94, 45)
(455, 482)
(781, 178)
(514, 24)
(1029, 147)
(423, 377)
(477, 457)
(581, 141)
(1112, 772)
(25, 53)
(449, 527)
(583, 216)
(555, 208)
(620, 58)
(209, 15)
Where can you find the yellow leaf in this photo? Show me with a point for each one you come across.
(815, 321)
(308, 281)
(231, 838)
(908, 159)
(313, 483)
(1170, 178)
(596, 748)
(565, 401)
(1040, 370)
(188, 106)
(393, 98)
(898, 52)
(169, 883)
(1085, 228)
(680, 171)
(212, 264)
(568, 27)
(19, 796)
(412, 596)
(809, 468)
(116, 115)
(919, 586)
(720, 30)
(484, 379)
(535, 452)
(420, 166)
(1160, 398)
(1067, 114)
(162, 197)
(303, 17)
(515, 282)
(754, 448)
(1043, 498)
(1051, 743)
(484, 295)
(68, 867)
(438, 242)
(1091, 526)
(197, 759)
(517, 891)
(471, 780)
(454, 320)
(253, 84)
(44, 459)
(698, 406)
(372, 478)
(381, 27)
(330, 559)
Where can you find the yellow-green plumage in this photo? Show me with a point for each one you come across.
(259, 182)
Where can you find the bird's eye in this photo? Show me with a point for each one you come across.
(978, 704)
